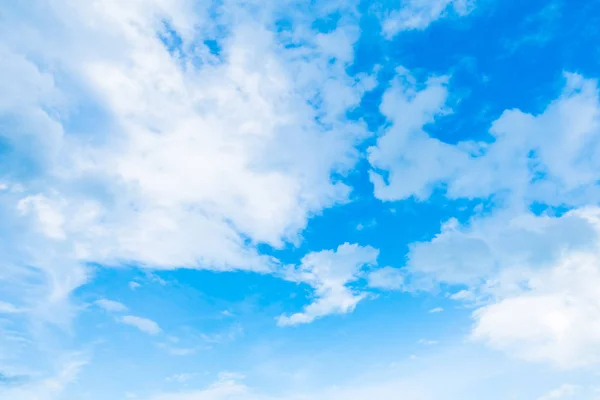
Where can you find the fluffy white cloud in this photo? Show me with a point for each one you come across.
(143, 324)
(551, 158)
(166, 155)
(556, 319)
(329, 272)
(406, 161)
(131, 141)
(532, 275)
(419, 14)
(458, 375)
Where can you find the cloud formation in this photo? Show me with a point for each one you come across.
(329, 272)
(419, 14)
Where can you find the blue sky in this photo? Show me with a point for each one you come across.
(287, 200)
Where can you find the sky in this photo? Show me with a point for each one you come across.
(299, 200)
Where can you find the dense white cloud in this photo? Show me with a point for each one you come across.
(143, 324)
(329, 272)
(419, 14)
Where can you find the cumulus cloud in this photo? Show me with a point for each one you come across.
(198, 157)
(329, 272)
(143, 324)
(554, 320)
(132, 141)
(458, 378)
(528, 271)
(406, 161)
(549, 158)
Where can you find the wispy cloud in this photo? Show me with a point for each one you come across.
(143, 324)
(111, 305)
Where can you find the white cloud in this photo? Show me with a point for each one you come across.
(227, 335)
(419, 14)
(563, 392)
(458, 375)
(180, 351)
(329, 272)
(221, 390)
(110, 305)
(436, 310)
(198, 158)
(534, 278)
(180, 378)
(143, 324)
(549, 158)
(8, 308)
(505, 243)
(555, 320)
(406, 161)
(51, 220)
(123, 152)
(530, 274)
(387, 278)
(46, 388)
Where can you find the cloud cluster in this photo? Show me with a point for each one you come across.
(329, 272)
(133, 141)
(512, 260)
(419, 14)
(164, 134)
